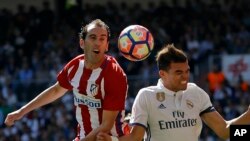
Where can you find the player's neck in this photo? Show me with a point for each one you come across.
(93, 65)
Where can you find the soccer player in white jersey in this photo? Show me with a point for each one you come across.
(174, 109)
(98, 83)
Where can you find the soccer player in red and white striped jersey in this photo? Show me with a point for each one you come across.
(98, 83)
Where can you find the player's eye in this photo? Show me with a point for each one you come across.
(92, 37)
(102, 39)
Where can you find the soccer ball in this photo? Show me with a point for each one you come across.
(135, 42)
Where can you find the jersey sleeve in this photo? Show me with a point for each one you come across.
(115, 87)
(206, 105)
(67, 73)
(139, 114)
(63, 79)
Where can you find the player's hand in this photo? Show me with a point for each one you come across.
(103, 137)
(12, 117)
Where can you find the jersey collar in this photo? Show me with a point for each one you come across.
(167, 91)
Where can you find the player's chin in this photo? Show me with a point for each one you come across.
(183, 87)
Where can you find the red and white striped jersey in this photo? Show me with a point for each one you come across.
(104, 88)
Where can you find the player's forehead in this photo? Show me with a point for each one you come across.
(180, 66)
(94, 29)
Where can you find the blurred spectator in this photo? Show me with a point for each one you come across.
(215, 80)
(243, 85)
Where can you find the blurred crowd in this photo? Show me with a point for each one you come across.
(36, 43)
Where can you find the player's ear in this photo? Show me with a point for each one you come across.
(162, 73)
(81, 43)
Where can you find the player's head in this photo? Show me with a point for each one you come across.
(96, 22)
(94, 40)
(169, 54)
(173, 67)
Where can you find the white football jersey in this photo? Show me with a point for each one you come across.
(168, 115)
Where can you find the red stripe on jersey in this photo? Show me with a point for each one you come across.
(66, 74)
(85, 119)
(73, 71)
(84, 80)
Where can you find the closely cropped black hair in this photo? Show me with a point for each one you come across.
(169, 54)
(97, 22)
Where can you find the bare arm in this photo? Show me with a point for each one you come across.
(47, 96)
(106, 125)
(136, 134)
(220, 126)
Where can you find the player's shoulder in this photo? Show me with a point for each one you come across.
(149, 93)
(149, 90)
(111, 60)
(112, 64)
(192, 85)
(194, 89)
(75, 61)
(78, 57)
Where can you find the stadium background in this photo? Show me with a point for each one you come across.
(38, 37)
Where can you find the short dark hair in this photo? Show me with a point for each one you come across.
(99, 23)
(169, 54)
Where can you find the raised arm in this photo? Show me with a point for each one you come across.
(220, 126)
(47, 96)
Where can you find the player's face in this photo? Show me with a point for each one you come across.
(95, 44)
(177, 77)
